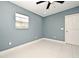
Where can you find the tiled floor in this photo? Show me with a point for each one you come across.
(44, 49)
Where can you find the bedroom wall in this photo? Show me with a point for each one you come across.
(8, 32)
(53, 23)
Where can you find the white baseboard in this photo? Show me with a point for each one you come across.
(53, 40)
(35, 41)
(20, 46)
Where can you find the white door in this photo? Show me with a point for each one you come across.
(72, 29)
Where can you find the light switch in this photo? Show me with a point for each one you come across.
(62, 28)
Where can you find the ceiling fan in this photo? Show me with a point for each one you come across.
(49, 3)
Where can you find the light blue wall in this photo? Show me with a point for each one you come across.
(8, 32)
(47, 27)
(53, 23)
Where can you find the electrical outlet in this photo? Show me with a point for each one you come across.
(10, 43)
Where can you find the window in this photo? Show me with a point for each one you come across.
(22, 21)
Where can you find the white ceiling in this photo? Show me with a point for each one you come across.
(41, 8)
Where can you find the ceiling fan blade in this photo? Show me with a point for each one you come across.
(48, 5)
(40, 2)
(60, 1)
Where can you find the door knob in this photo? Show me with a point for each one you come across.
(66, 30)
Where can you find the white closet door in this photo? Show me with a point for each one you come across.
(72, 29)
